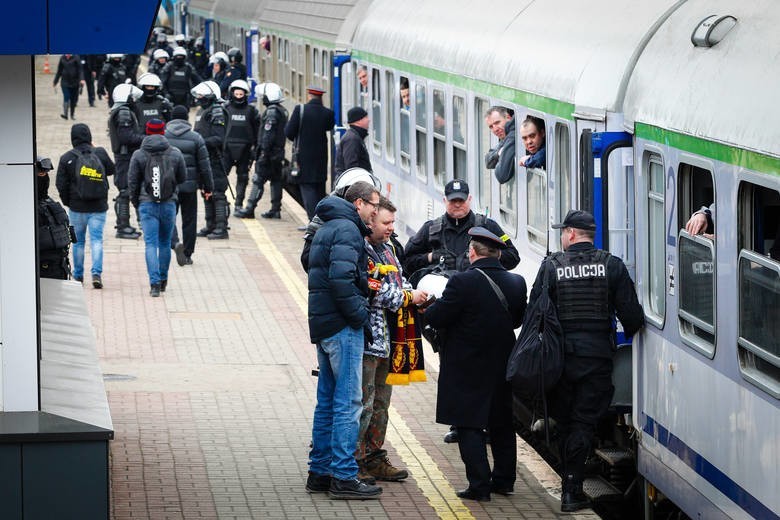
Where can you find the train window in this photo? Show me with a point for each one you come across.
(376, 112)
(459, 155)
(656, 237)
(537, 207)
(758, 221)
(421, 132)
(696, 272)
(316, 62)
(325, 69)
(361, 86)
(563, 170)
(406, 122)
(439, 138)
(483, 145)
(392, 109)
(348, 97)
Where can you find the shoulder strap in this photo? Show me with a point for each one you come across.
(496, 289)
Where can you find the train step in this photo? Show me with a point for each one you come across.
(616, 456)
(599, 490)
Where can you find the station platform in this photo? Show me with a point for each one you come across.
(210, 385)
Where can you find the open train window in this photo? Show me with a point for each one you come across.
(421, 131)
(758, 231)
(484, 175)
(361, 86)
(376, 112)
(439, 138)
(697, 266)
(655, 302)
(562, 170)
(459, 131)
(404, 102)
(392, 109)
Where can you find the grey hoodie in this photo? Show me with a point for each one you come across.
(173, 164)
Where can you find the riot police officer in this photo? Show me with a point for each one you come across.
(126, 137)
(178, 77)
(112, 74)
(219, 67)
(236, 69)
(210, 124)
(54, 234)
(158, 62)
(270, 153)
(152, 104)
(589, 287)
(199, 58)
(242, 121)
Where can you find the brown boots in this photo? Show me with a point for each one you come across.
(378, 466)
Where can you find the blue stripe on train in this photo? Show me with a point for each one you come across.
(708, 471)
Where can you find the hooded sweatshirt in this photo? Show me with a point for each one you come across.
(81, 139)
(172, 164)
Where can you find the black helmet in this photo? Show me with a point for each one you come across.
(43, 164)
(235, 55)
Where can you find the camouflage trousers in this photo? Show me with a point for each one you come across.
(376, 401)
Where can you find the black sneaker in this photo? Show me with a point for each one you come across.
(97, 282)
(271, 214)
(353, 489)
(155, 292)
(318, 483)
(181, 258)
(163, 285)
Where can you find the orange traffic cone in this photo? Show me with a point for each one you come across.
(46, 69)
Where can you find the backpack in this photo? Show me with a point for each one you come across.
(91, 182)
(159, 179)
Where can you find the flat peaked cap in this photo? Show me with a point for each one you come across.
(484, 236)
(578, 219)
(315, 91)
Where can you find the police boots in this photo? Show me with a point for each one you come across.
(209, 205)
(221, 210)
(123, 227)
(572, 497)
(240, 192)
(248, 211)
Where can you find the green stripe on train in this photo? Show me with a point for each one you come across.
(552, 106)
(747, 159)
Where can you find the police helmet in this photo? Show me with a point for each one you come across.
(234, 55)
(114, 56)
(125, 93)
(160, 53)
(199, 41)
(180, 39)
(161, 37)
(269, 93)
(43, 164)
(433, 284)
(239, 84)
(179, 51)
(206, 89)
(219, 57)
(149, 80)
(353, 175)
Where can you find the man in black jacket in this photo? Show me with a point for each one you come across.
(478, 320)
(589, 287)
(502, 157)
(242, 122)
(178, 77)
(70, 71)
(53, 235)
(180, 135)
(112, 74)
(83, 188)
(308, 127)
(352, 152)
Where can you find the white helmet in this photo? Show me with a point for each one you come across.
(206, 89)
(269, 93)
(125, 92)
(219, 57)
(353, 175)
(433, 284)
(179, 51)
(239, 83)
(160, 53)
(112, 56)
(149, 80)
(180, 38)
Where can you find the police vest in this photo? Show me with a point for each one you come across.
(438, 225)
(53, 229)
(157, 108)
(583, 290)
(239, 126)
(274, 114)
(121, 115)
(178, 79)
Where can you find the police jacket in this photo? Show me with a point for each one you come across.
(70, 71)
(191, 145)
(110, 76)
(155, 108)
(452, 234)
(505, 168)
(233, 72)
(179, 78)
(270, 137)
(589, 287)
(210, 124)
(81, 139)
(312, 135)
(338, 281)
(241, 125)
(172, 160)
(123, 130)
(199, 58)
(156, 68)
(352, 151)
(478, 338)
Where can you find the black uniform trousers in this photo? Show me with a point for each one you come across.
(579, 400)
(311, 194)
(473, 452)
(241, 162)
(188, 206)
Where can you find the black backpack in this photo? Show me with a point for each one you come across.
(91, 182)
(159, 179)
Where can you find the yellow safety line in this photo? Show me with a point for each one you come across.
(430, 479)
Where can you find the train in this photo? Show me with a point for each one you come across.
(652, 111)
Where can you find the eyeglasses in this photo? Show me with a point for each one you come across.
(375, 204)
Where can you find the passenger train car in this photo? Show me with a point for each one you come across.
(652, 111)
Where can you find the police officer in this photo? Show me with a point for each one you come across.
(308, 127)
(243, 121)
(178, 77)
(236, 69)
(589, 286)
(162, 43)
(158, 62)
(126, 137)
(54, 233)
(199, 58)
(131, 63)
(112, 74)
(210, 124)
(219, 66)
(269, 154)
(152, 104)
(479, 310)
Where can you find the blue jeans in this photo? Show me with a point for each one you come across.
(157, 221)
(81, 222)
(339, 404)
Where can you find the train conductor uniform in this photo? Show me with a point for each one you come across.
(589, 286)
(309, 125)
(473, 393)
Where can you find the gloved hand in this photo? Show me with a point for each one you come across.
(449, 258)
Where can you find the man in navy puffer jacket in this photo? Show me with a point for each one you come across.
(338, 316)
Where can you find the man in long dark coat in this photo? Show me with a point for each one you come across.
(473, 393)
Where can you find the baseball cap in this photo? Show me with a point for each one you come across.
(578, 219)
(456, 189)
